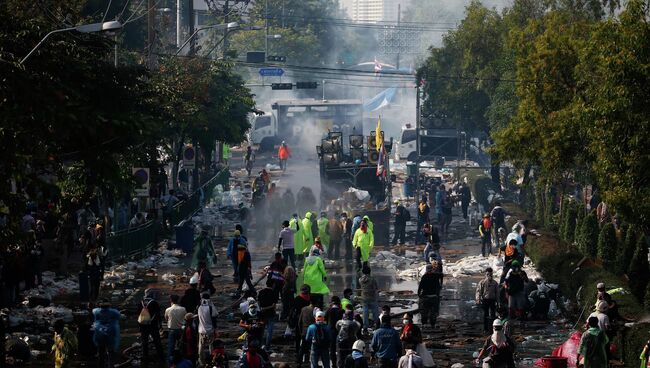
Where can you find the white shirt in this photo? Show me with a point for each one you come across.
(205, 317)
(175, 316)
(603, 320)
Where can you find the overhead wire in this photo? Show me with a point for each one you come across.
(107, 9)
(126, 5)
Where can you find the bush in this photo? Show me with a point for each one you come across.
(549, 209)
(626, 251)
(569, 222)
(638, 271)
(607, 246)
(563, 215)
(588, 240)
(581, 213)
(539, 205)
(646, 299)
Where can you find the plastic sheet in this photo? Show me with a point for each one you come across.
(569, 350)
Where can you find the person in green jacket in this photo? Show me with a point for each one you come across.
(307, 236)
(298, 240)
(371, 226)
(203, 250)
(324, 231)
(363, 242)
(315, 276)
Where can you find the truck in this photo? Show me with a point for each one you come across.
(434, 144)
(290, 120)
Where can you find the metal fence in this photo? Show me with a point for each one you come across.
(136, 242)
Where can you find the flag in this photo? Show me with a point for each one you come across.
(381, 168)
(377, 65)
(378, 136)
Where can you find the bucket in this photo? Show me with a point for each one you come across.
(554, 362)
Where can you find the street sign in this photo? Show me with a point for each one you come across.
(141, 175)
(271, 72)
(188, 157)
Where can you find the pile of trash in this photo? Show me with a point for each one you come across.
(470, 266)
(39, 317)
(389, 260)
(54, 286)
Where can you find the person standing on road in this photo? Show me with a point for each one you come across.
(485, 230)
(592, 346)
(347, 330)
(411, 335)
(324, 231)
(284, 152)
(363, 242)
(346, 223)
(465, 198)
(315, 276)
(65, 345)
(244, 269)
(333, 315)
(498, 216)
(486, 296)
(369, 296)
(231, 252)
(175, 316)
(203, 251)
(107, 331)
(401, 217)
(336, 235)
(307, 235)
(249, 159)
(286, 243)
(356, 358)
(149, 322)
(192, 297)
(429, 295)
(288, 292)
(300, 301)
(320, 336)
(499, 348)
(423, 217)
(385, 344)
(515, 287)
(207, 314)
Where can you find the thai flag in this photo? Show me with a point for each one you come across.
(381, 167)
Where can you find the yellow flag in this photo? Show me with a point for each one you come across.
(378, 137)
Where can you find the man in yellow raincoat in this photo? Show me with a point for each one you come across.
(363, 242)
(371, 226)
(65, 345)
(298, 240)
(324, 231)
(308, 237)
(314, 275)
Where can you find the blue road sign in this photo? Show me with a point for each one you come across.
(271, 72)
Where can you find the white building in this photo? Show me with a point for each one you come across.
(373, 11)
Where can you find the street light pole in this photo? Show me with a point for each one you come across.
(266, 29)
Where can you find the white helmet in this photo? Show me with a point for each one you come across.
(497, 323)
(359, 345)
(194, 280)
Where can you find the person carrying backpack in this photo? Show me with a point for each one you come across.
(107, 330)
(347, 331)
(320, 336)
(149, 322)
(485, 230)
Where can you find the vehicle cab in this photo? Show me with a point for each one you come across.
(263, 128)
(406, 146)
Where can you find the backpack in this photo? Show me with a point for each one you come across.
(487, 224)
(321, 338)
(406, 214)
(144, 318)
(510, 250)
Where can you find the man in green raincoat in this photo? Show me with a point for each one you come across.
(324, 231)
(314, 275)
(203, 250)
(363, 242)
(298, 239)
(308, 237)
(371, 226)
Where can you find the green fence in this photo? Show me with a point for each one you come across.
(136, 242)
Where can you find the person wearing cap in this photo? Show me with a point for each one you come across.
(429, 295)
(175, 316)
(192, 297)
(486, 296)
(189, 343)
(207, 314)
(315, 276)
(612, 306)
(485, 230)
(324, 230)
(347, 223)
(301, 301)
(593, 346)
(284, 152)
(515, 283)
(203, 250)
(356, 359)
(601, 314)
(385, 344)
(286, 244)
(333, 315)
(498, 348)
(400, 224)
(107, 330)
(231, 252)
(253, 323)
(369, 296)
(150, 327)
(411, 335)
(320, 336)
(346, 333)
(336, 236)
(363, 242)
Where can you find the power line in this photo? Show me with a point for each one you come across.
(107, 9)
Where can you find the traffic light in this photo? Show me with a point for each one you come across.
(277, 58)
(306, 85)
(281, 86)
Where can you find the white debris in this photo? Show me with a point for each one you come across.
(361, 195)
(272, 167)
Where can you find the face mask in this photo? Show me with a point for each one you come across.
(405, 321)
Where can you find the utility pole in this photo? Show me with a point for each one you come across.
(151, 19)
(417, 143)
(190, 24)
(178, 24)
(399, 15)
(266, 29)
(226, 10)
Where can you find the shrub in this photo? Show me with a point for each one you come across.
(646, 299)
(638, 271)
(549, 209)
(563, 215)
(581, 213)
(588, 241)
(539, 205)
(569, 222)
(626, 251)
(607, 246)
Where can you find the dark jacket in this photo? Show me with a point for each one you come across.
(191, 300)
(154, 310)
(385, 343)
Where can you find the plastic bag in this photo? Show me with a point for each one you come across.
(427, 359)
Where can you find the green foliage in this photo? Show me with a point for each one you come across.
(549, 208)
(588, 239)
(569, 221)
(539, 204)
(646, 298)
(607, 246)
(638, 271)
(626, 252)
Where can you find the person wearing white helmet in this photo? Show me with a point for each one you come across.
(192, 297)
(356, 359)
(498, 348)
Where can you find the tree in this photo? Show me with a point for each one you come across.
(588, 240)
(638, 271)
(569, 221)
(626, 252)
(607, 246)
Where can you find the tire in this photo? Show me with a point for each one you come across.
(412, 156)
